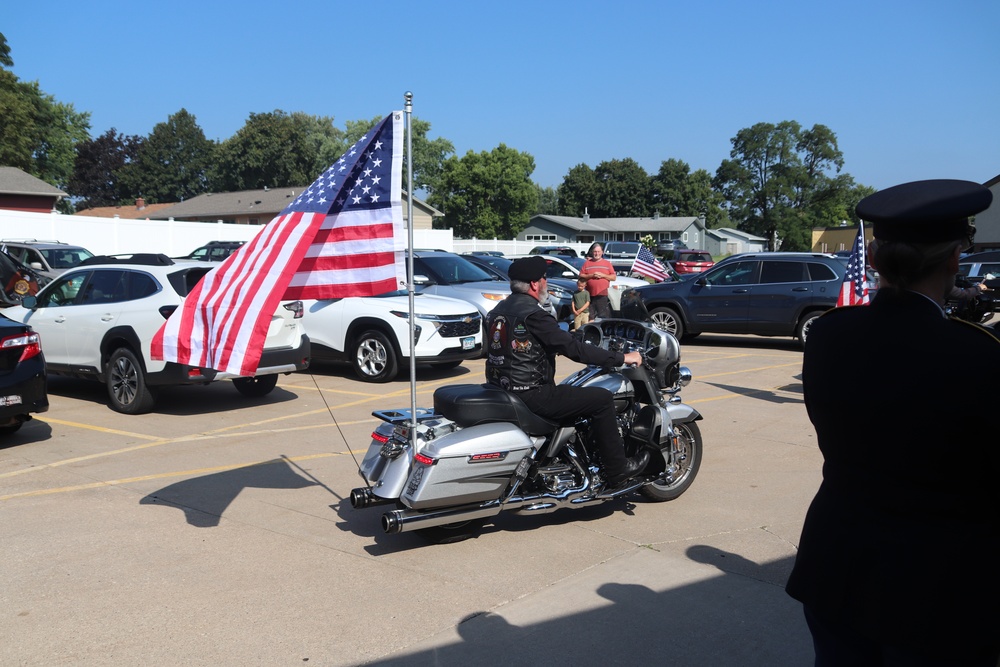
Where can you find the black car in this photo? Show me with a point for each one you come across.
(767, 294)
(980, 264)
(564, 250)
(23, 388)
(214, 251)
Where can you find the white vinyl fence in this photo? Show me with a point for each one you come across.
(112, 236)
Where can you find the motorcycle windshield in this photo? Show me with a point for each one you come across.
(632, 307)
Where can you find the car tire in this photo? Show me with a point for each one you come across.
(667, 319)
(802, 330)
(10, 429)
(125, 378)
(374, 357)
(257, 386)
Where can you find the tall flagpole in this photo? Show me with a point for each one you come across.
(408, 97)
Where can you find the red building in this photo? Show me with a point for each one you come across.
(20, 191)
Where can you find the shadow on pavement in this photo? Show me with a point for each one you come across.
(770, 395)
(739, 617)
(204, 499)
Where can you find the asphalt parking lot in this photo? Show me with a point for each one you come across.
(218, 531)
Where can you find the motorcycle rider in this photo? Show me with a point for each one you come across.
(897, 565)
(523, 341)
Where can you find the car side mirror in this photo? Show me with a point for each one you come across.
(36, 265)
(701, 281)
(422, 280)
(29, 301)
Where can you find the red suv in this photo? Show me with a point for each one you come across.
(692, 261)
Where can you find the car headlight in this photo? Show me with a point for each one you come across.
(406, 316)
(494, 297)
(559, 293)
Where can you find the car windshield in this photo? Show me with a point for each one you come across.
(65, 258)
(450, 269)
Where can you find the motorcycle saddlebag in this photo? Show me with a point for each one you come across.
(468, 466)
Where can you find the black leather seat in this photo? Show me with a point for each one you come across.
(472, 404)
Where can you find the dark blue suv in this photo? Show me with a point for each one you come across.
(767, 293)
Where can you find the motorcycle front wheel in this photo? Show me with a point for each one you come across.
(684, 467)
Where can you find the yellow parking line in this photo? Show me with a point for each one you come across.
(164, 475)
(186, 438)
(158, 441)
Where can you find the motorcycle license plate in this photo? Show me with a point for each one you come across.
(468, 342)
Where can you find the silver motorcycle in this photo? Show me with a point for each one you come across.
(480, 451)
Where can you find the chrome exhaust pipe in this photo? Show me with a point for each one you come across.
(401, 521)
(363, 497)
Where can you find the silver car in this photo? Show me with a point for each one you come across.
(449, 274)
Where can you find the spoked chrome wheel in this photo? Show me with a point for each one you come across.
(681, 464)
(667, 319)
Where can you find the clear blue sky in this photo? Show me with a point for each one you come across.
(909, 87)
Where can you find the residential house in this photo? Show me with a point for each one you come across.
(549, 229)
(988, 222)
(20, 191)
(259, 207)
(140, 211)
(726, 241)
(840, 237)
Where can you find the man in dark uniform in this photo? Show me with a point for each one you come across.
(523, 341)
(899, 559)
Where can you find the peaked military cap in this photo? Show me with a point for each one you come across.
(527, 269)
(924, 211)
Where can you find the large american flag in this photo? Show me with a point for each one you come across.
(854, 289)
(646, 264)
(340, 237)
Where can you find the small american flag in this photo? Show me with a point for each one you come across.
(646, 264)
(854, 289)
(340, 237)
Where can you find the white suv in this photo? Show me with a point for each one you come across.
(98, 321)
(371, 332)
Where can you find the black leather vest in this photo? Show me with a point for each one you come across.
(515, 359)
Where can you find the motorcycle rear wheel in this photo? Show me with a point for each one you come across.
(451, 533)
(688, 463)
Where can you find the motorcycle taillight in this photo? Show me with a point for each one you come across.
(426, 460)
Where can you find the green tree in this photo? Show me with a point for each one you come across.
(99, 163)
(548, 200)
(325, 139)
(5, 58)
(578, 192)
(623, 190)
(17, 131)
(270, 150)
(172, 163)
(676, 192)
(487, 195)
(37, 133)
(782, 182)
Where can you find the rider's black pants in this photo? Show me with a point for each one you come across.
(563, 404)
